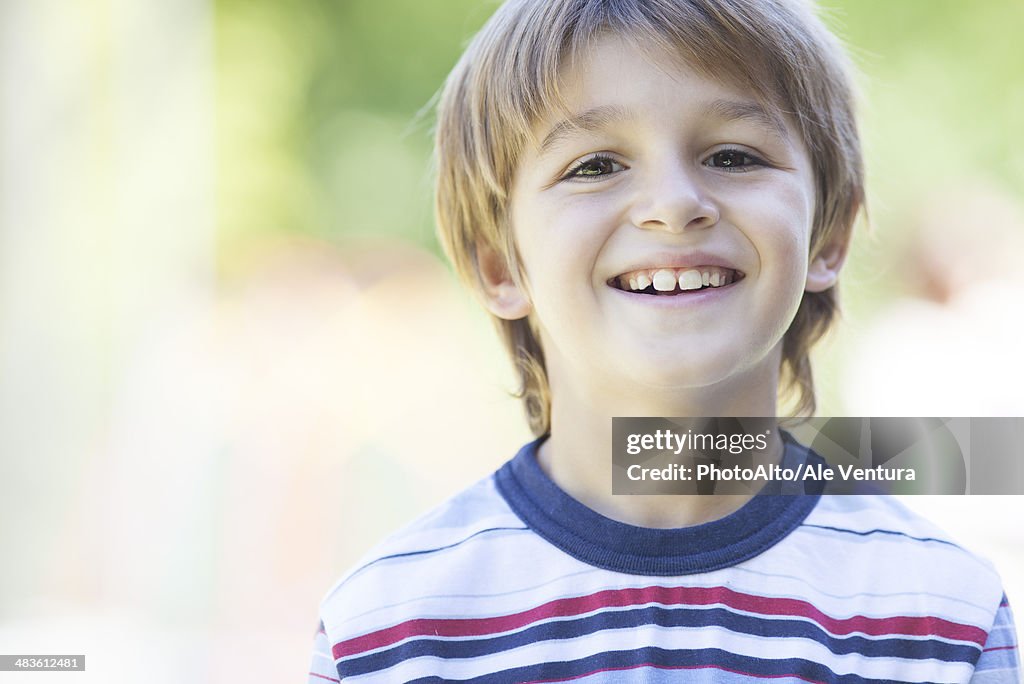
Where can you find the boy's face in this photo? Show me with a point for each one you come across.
(667, 176)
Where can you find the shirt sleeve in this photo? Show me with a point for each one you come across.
(321, 669)
(1000, 658)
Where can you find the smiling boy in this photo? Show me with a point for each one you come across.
(660, 176)
(654, 199)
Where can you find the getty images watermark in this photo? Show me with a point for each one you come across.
(818, 455)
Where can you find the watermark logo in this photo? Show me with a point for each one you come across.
(818, 455)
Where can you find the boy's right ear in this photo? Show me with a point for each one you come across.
(503, 297)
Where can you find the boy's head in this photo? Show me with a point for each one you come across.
(619, 142)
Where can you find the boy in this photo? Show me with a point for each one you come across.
(654, 199)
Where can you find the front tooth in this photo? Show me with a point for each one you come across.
(690, 280)
(716, 279)
(642, 281)
(664, 280)
(705, 278)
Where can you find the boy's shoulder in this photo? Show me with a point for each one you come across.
(434, 548)
(884, 518)
(881, 539)
(473, 510)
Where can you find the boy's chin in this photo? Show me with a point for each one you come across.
(676, 379)
(708, 384)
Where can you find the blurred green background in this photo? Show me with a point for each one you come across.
(338, 143)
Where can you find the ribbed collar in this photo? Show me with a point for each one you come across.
(605, 543)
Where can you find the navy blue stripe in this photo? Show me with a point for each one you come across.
(659, 657)
(421, 552)
(864, 533)
(694, 618)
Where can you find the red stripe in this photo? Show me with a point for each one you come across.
(330, 679)
(666, 596)
(1000, 648)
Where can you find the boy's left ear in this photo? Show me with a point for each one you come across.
(823, 271)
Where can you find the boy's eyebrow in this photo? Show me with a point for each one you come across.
(600, 117)
(593, 119)
(747, 110)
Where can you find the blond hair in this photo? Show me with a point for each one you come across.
(507, 79)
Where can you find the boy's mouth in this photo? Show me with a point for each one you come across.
(674, 281)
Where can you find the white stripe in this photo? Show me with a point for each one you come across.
(360, 602)
(905, 566)
(869, 603)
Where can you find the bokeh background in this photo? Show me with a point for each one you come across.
(231, 358)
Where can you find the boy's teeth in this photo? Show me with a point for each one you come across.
(664, 280)
(690, 280)
(669, 279)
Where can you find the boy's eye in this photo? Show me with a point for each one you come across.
(733, 159)
(593, 167)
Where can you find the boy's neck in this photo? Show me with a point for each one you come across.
(577, 455)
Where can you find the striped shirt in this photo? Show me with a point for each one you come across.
(514, 581)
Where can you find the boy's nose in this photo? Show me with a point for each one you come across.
(673, 202)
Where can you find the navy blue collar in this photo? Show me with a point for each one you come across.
(605, 543)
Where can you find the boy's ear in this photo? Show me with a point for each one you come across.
(823, 271)
(502, 296)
